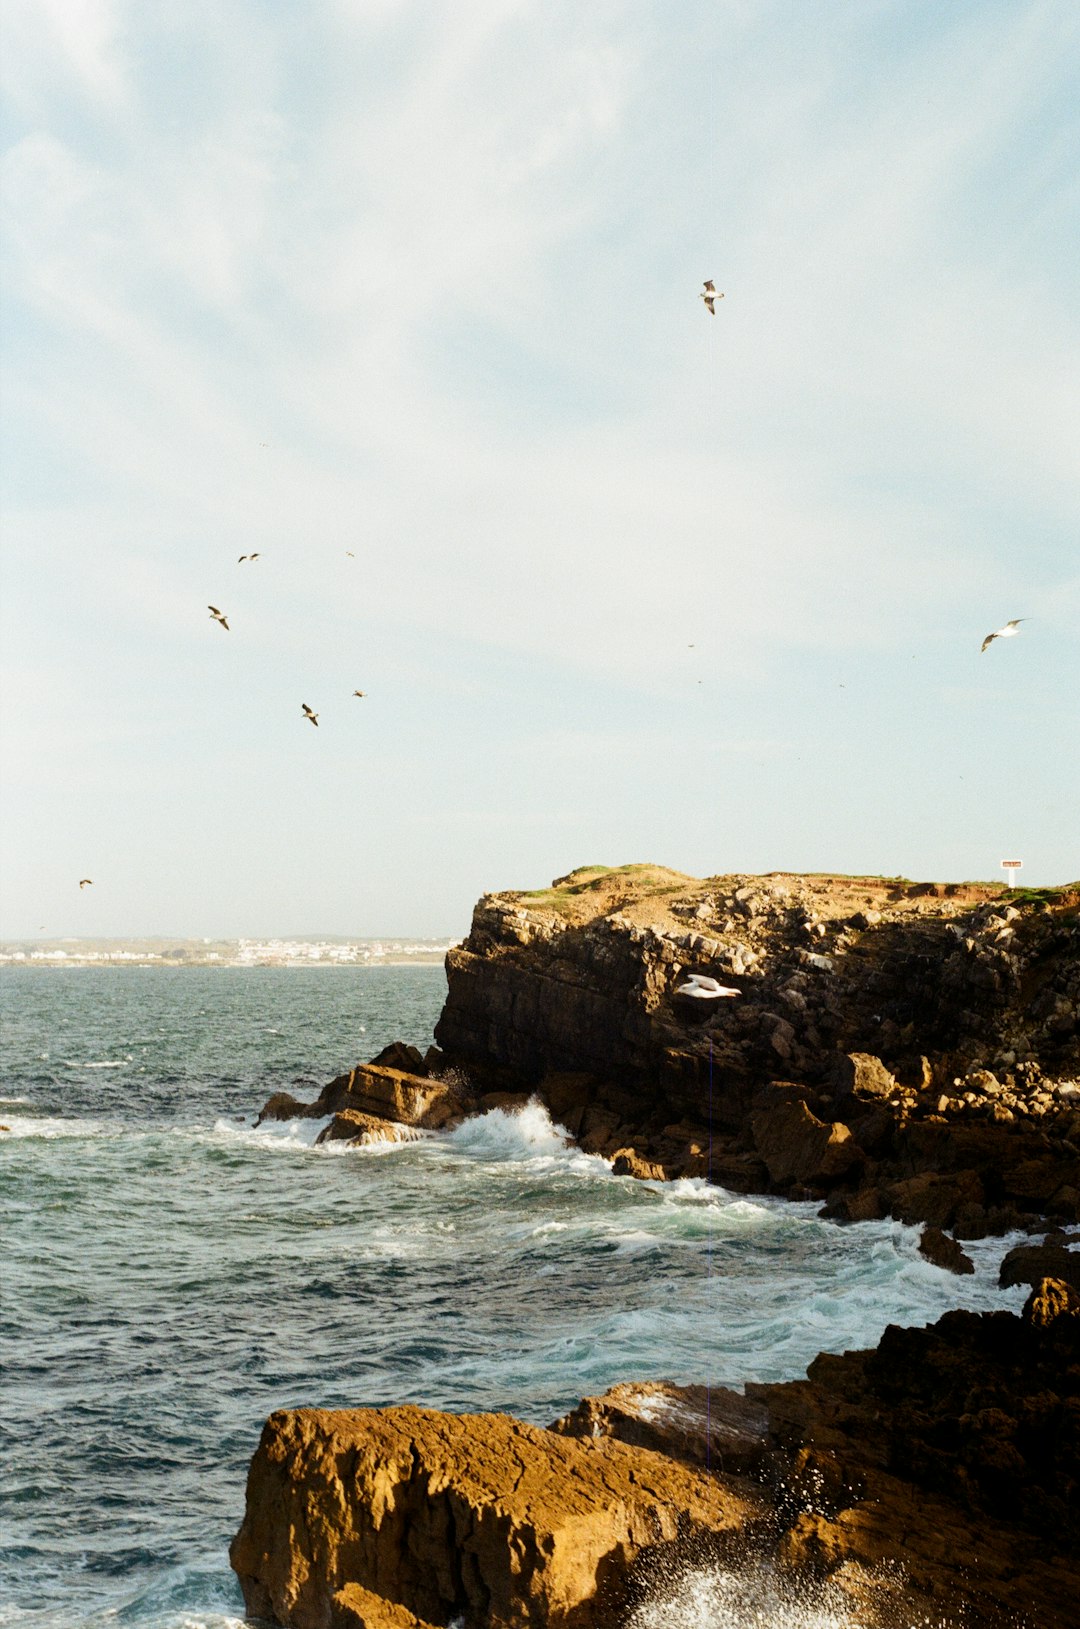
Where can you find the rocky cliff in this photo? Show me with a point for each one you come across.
(895, 1047)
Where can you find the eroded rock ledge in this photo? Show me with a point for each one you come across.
(948, 1459)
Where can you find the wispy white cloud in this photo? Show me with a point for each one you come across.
(442, 261)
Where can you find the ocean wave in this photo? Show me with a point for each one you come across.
(103, 1063)
(526, 1135)
(275, 1136)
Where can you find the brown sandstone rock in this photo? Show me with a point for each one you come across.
(628, 1162)
(798, 1147)
(864, 1075)
(283, 1106)
(440, 1515)
(1049, 1300)
(412, 1100)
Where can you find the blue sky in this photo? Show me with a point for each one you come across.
(419, 281)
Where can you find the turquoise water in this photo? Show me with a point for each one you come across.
(171, 1274)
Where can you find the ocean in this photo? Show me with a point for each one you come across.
(171, 1275)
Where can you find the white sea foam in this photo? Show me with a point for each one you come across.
(758, 1597)
(50, 1128)
(527, 1135)
(103, 1063)
(398, 1137)
(275, 1136)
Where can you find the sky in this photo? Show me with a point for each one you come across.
(403, 294)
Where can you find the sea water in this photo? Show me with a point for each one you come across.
(171, 1275)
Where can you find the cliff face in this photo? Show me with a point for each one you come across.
(892, 1011)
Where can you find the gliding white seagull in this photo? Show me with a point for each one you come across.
(703, 988)
(710, 297)
(1007, 632)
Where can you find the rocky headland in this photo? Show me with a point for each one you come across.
(896, 1049)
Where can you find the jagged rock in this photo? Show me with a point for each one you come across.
(864, 1075)
(715, 1426)
(283, 1106)
(1049, 1300)
(943, 1251)
(1030, 1263)
(628, 1162)
(798, 1147)
(381, 1093)
(953, 1451)
(441, 1515)
(400, 1055)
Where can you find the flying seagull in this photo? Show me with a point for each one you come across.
(702, 988)
(314, 717)
(710, 297)
(359, 692)
(1007, 632)
(86, 882)
(244, 557)
(349, 554)
(217, 616)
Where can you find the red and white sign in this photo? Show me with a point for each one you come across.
(1011, 865)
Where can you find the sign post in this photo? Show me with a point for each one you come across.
(1010, 868)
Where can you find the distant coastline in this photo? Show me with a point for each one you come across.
(328, 952)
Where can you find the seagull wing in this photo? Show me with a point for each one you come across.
(989, 640)
(710, 308)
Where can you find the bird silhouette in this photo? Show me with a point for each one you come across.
(86, 882)
(314, 717)
(359, 692)
(1007, 632)
(244, 557)
(710, 296)
(218, 616)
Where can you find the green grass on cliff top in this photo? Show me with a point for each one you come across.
(653, 880)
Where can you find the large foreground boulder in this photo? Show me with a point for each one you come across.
(376, 1517)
